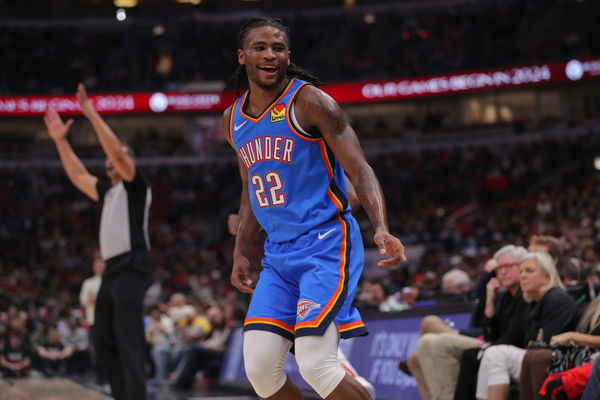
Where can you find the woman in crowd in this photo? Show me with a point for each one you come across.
(550, 311)
(535, 363)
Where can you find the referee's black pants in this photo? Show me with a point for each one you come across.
(119, 341)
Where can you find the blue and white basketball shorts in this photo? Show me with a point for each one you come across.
(309, 282)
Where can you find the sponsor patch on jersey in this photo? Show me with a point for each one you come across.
(278, 112)
(305, 307)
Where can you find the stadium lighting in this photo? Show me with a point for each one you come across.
(158, 30)
(194, 2)
(121, 15)
(125, 3)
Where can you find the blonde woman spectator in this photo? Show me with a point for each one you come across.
(549, 311)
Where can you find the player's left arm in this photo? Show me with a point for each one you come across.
(315, 109)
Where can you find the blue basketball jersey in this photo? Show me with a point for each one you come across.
(295, 183)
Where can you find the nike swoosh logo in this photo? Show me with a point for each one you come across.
(322, 235)
(236, 126)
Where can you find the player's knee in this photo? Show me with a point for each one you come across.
(264, 374)
(317, 358)
(264, 366)
(321, 373)
(308, 363)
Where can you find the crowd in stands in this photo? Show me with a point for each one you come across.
(389, 41)
(461, 204)
(527, 325)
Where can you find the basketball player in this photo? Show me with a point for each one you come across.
(294, 145)
(119, 331)
(232, 226)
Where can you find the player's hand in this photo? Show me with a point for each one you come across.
(86, 105)
(56, 127)
(390, 246)
(240, 275)
(233, 221)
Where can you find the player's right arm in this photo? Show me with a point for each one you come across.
(247, 229)
(76, 171)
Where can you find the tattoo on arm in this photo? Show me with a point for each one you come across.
(323, 113)
(338, 120)
(369, 192)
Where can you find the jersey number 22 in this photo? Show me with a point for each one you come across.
(274, 197)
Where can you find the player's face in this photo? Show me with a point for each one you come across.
(266, 56)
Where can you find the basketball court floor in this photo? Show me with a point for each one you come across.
(65, 389)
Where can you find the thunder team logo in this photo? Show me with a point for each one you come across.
(305, 307)
(278, 112)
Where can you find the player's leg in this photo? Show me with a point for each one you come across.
(317, 358)
(268, 336)
(331, 266)
(345, 363)
(264, 357)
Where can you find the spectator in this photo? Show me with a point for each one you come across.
(190, 326)
(374, 297)
(546, 244)
(89, 290)
(571, 280)
(205, 355)
(15, 358)
(159, 326)
(456, 284)
(429, 286)
(87, 298)
(53, 355)
(439, 351)
(535, 362)
(3, 336)
(592, 389)
(550, 311)
(76, 338)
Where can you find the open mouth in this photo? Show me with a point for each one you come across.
(268, 69)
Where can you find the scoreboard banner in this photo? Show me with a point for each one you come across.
(343, 93)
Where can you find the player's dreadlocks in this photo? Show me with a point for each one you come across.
(239, 79)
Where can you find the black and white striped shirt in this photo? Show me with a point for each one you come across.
(124, 220)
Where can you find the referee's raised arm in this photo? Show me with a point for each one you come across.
(76, 171)
(116, 152)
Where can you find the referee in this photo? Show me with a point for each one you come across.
(124, 246)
